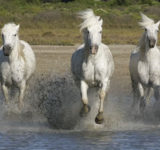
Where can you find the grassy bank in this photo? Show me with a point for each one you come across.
(56, 23)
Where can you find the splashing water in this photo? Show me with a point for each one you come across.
(56, 100)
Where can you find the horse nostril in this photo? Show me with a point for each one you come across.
(152, 43)
(7, 47)
(7, 50)
(96, 47)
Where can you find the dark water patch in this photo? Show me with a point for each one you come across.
(60, 101)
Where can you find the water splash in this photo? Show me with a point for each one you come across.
(56, 100)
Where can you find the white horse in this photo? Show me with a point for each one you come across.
(145, 65)
(17, 61)
(92, 63)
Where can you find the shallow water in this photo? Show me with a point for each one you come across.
(104, 140)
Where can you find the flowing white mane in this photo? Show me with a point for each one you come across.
(146, 21)
(89, 19)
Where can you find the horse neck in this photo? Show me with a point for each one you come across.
(14, 56)
(143, 45)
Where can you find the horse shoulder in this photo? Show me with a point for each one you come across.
(25, 48)
(154, 61)
(107, 52)
(21, 51)
(133, 64)
(154, 54)
(28, 55)
(109, 56)
(134, 58)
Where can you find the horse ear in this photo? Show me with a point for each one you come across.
(17, 27)
(157, 24)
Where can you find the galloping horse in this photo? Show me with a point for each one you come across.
(145, 64)
(92, 63)
(17, 61)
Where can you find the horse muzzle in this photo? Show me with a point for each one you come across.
(94, 49)
(7, 50)
(152, 43)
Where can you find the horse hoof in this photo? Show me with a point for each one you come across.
(85, 110)
(99, 118)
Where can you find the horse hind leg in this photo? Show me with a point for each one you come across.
(21, 94)
(85, 108)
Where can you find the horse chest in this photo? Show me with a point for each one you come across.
(91, 72)
(149, 72)
(17, 72)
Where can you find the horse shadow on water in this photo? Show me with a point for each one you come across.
(57, 100)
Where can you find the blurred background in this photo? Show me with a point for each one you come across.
(55, 22)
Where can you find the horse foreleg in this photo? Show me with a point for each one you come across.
(85, 109)
(103, 92)
(148, 96)
(142, 98)
(5, 92)
(21, 94)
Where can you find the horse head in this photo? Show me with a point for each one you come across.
(151, 30)
(92, 30)
(9, 37)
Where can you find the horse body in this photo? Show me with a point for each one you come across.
(146, 69)
(92, 63)
(16, 66)
(92, 69)
(145, 65)
(20, 68)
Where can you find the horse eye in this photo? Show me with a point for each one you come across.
(15, 35)
(145, 29)
(100, 32)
